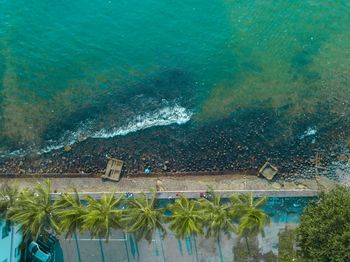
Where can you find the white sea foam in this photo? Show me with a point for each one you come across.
(69, 137)
(163, 117)
(309, 132)
(19, 152)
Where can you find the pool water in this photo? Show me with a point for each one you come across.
(285, 214)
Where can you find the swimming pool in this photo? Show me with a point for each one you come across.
(284, 211)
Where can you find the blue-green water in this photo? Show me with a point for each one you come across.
(70, 70)
(280, 209)
(285, 213)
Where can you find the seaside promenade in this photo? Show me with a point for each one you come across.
(172, 185)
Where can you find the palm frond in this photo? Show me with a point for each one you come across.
(34, 211)
(260, 202)
(70, 211)
(142, 218)
(252, 219)
(187, 217)
(102, 215)
(217, 218)
(8, 197)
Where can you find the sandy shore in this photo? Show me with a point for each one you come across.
(186, 183)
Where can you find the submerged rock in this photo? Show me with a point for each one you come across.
(67, 148)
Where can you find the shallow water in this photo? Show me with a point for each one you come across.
(74, 70)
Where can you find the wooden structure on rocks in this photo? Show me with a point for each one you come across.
(268, 171)
(113, 170)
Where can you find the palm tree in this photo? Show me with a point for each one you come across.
(33, 210)
(8, 197)
(187, 217)
(70, 211)
(218, 216)
(102, 215)
(244, 202)
(143, 218)
(252, 219)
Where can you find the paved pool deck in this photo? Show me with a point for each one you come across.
(171, 186)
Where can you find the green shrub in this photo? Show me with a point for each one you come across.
(324, 230)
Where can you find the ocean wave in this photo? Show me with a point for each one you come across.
(163, 117)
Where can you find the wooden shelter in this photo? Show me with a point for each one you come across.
(113, 170)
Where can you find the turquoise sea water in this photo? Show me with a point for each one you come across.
(70, 70)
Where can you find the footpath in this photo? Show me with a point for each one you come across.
(172, 185)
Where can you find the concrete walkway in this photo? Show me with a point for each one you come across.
(224, 183)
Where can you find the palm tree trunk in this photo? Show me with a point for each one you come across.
(101, 249)
(179, 243)
(220, 250)
(248, 248)
(126, 247)
(77, 245)
(161, 244)
(134, 245)
(12, 254)
(195, 247)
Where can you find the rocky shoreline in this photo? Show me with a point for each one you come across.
(241, 143)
